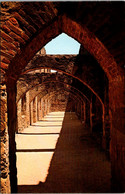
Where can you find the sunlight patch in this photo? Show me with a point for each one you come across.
(33, 159)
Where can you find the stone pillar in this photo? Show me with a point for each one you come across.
(24, 112)
(106, 121)
(35, 109)
(44, 110)
(38, 110)
(31, 113)
(41, 116)
(97, 119)
(27, 110)
(45, 106)
(87, 112)
(79, 109)
(117, 144)
(76, 107)
(4, 162)
(91, 117)
(12, 121)
(106, 132)
(19, 117)
(84, 109)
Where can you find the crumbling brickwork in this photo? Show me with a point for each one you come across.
(98, 27)
(4, 162)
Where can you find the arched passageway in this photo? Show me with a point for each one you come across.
(25, 32)
(70, 165)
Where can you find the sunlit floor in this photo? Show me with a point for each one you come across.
(35, 148)
(56, 158)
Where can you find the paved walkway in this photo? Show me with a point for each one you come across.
(59, 156)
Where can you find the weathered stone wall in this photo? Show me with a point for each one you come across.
(22, 37)
(23, 113)
(4, 161)
(117, 144)
(27, 110)
(31, 113)
(59, 102)
(19, 117)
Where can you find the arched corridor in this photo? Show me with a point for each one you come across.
(87, 86)
(60, 156)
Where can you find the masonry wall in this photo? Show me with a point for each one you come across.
(19, 117)
(117, 143)
(4, 162)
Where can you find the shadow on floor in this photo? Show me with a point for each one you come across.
(77, 166)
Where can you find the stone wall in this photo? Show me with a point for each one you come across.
(97, 26)
(117, 124)
(4, 162)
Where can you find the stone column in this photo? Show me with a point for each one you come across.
(48, 108)
(87, 112)
(31, 113)
(38, 110)
(97, 119)
(4, 162)
(45, 106)
(19, 117)
(106, 121)
(12, 121)
(91, 116)
(117, 144)
(35, 109)
(27, 110)
(84, 112)
(81, 112)
(41, 114)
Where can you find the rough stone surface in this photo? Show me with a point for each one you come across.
(4, 161)
(99, 28)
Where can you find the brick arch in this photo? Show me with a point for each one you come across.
(83, 95)
(64, 24)
(73, 96)
(69, 74)
(58, 91)
(46, 82)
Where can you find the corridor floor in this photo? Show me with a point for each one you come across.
(57, 155)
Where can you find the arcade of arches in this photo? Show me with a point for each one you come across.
(90, 84)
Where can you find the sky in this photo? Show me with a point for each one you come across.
(62, 44)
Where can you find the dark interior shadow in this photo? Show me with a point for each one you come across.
(77, 166)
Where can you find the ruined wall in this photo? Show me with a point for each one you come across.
(117, 143)
(4, 162)
(59, 103)
(23, 113)
(18, 31)
(19, 117)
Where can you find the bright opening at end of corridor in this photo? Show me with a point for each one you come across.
(35, 149)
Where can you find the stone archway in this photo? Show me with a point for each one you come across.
(64, 24)
(107, 62)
